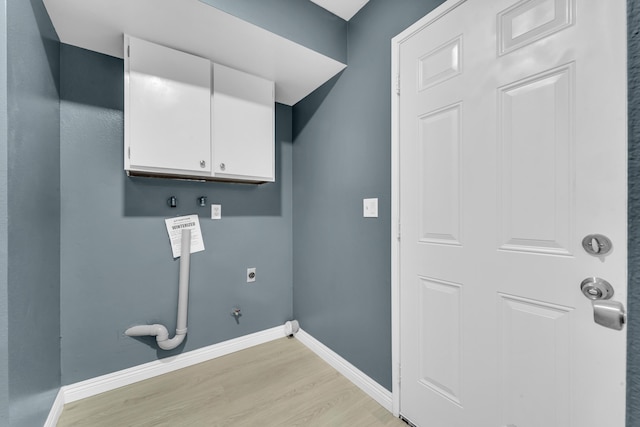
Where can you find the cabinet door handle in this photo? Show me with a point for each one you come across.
(222, 166)
(203, 163)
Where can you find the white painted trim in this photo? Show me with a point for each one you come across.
(112, 381)
(353, 374)
(395, 227)
(425, 21)
(101, 384)
(396, 42)
(56, 410)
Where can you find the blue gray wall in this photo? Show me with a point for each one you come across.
(633, 307)
(4, 224)
(116, 263)
(114, 259)
(33, 211)
(342, 154)
(304, 22)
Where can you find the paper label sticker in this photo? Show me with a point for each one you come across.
(174, 228)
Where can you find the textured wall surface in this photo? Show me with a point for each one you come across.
(4, 224)
(33, 212)
(342, 154)
(633, 307)
(303, 22)
(116, 264)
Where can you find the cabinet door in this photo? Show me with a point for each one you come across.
(167, 110)
(242, 109)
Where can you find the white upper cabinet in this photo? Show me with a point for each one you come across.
(186, 117)
(167, 109)
(242, 125)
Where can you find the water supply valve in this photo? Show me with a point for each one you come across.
(236, 313)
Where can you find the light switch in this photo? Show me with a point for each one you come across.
(370, 208)
(216, 211)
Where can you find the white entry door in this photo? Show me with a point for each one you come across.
(511, 133)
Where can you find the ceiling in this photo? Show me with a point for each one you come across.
(345, 9)
(194, 27)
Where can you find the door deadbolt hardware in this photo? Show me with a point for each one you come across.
(597, 244)
(610, 314)
(596, 288)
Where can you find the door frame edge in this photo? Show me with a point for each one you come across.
(396, 43)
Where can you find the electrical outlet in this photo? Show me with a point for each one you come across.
(216, 211)
(251, 275)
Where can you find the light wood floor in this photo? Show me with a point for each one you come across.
(280, 383)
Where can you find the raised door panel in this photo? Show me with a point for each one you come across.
(167, 96)
(532, 20)
(439, 155)
(440, 64)
(535, 362)
(440, 345)
(537, 177)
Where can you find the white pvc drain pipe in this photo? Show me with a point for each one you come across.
(160, 331)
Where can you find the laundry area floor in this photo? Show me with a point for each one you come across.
(279, 383)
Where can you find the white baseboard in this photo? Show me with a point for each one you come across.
(356, 376)
(91, 387)
(56, 410)
(101, 384)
